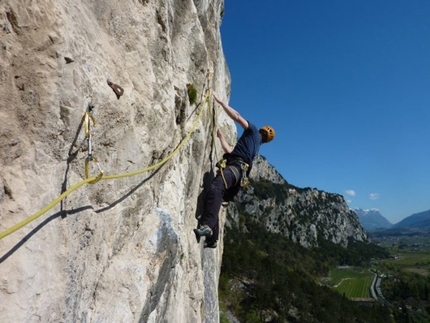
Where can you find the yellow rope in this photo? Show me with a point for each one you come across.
(45, 209)
(187, 137)
(101, 177)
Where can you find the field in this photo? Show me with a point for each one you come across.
(353, 282)
(417, 262)
(410, 253)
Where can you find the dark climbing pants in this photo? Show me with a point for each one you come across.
(214, 199)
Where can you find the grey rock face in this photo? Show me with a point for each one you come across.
(119, 250)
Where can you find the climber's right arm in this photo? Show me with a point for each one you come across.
(232, 113)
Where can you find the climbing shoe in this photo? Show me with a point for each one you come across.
(212, 245)
(203, 231)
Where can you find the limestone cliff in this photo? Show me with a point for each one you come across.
(119, 250)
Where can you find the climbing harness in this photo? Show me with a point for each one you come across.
(238, 167)
(222, 164)
(88, 118)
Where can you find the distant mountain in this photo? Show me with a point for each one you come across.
(418, 220)
(372, 219)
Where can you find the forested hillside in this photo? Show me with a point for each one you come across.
(266, 277)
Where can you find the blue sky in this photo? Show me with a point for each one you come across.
(346, 85)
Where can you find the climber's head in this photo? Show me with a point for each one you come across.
(267, 133)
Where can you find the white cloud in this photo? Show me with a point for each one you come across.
(350, 192)
(374, 196)
(348, 201)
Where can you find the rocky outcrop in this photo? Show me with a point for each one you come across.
(120, 250)
(304, 215)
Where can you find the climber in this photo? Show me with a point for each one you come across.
(232, 172)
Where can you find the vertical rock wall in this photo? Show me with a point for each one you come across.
(119, 250)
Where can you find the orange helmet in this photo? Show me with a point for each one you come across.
(269, 133)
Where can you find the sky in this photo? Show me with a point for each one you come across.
(346, 86)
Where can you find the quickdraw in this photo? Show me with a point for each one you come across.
(88, 118)
(244, 181)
